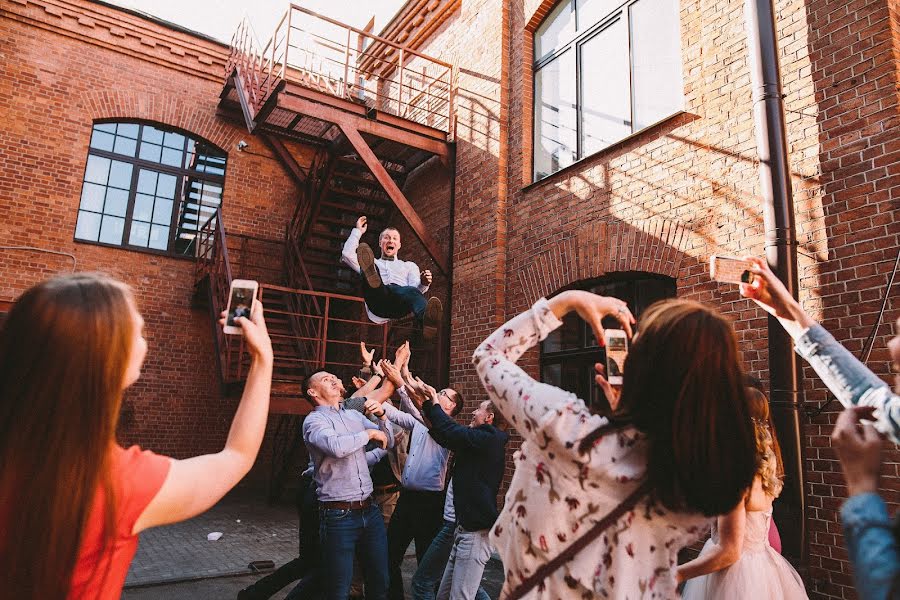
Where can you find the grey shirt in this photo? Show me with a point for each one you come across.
(336, 440)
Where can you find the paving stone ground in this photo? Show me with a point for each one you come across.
(251, 530)
(177, 562)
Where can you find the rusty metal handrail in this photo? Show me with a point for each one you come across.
(374, 71)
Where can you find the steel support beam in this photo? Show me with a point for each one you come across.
(396, 195)
(360, 123)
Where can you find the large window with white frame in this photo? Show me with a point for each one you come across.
(603, 70)
(148, 187)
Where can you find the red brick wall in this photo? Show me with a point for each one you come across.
(666, 199)
(66, 65)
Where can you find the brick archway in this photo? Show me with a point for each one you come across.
(112, 104)
(650, 245)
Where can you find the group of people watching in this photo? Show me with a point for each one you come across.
(598, 506)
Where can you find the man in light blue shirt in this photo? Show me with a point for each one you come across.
(392, 288)
(350, 523)
(419, 509)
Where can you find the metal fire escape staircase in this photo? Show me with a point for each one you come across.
(372, 111)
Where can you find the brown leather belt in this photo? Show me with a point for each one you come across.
(352, 505)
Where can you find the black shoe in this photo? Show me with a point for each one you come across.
(367, 268)
(434, 311)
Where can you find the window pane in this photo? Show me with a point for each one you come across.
(605, 109)
(159, 237)
(150, 152)
(125, 146)
(116, 202)
(101, 140)
(591, 12)
(92, 197)
(107, 127)
(171, 157)
(97, 170)
(147, 181)
(111, 230)
(566, 337)
(152, 134)
(129, 130)
(174, 140)
(143, 207)
(554, 115)
(166, 186)
(120, 175)
(552, 374)
(656, 54)
(88, 227)
(556, 29)
(162, 211)
(140, 234)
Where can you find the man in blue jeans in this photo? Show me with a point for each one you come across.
(392, 288)
(349, 522)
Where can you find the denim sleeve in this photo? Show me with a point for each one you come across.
(871, 545)
(850, 380)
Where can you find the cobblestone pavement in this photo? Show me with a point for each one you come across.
(251, 530)
(177, 562)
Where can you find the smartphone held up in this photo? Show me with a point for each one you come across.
(616, 342)
(730, 269)
(240, 304)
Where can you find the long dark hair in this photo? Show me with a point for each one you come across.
(64, 350)
(684, 388)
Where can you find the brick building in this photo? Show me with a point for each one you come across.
(554, 169)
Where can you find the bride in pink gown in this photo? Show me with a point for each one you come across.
(738, 562)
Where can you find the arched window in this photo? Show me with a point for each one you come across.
(603, 70)
(148, 187)
(568, 354)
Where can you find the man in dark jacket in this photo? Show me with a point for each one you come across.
(480, 461)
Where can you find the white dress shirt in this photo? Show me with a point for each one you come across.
(396, 271)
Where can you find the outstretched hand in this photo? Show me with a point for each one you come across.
(392, 373)
(401, 358)
(367, 355)
(593, 309)
(858, 447)
(611, 392)
(362, 223)
(767, 290)
(254, 330)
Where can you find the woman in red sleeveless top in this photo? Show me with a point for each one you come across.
(72, 501)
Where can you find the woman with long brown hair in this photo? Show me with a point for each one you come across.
(72, 501)
(738, 561)
(600, 507)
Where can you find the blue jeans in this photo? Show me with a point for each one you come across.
(394, 301)
(345, 533)
(431, 567)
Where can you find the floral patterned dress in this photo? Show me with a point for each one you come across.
(560, 489)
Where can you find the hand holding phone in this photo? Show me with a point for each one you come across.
(240, 302)
(616, 351)
(730, 269)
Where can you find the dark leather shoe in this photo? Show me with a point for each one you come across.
(434, 311)
(367, 268)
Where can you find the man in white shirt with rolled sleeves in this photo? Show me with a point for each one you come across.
(392, 288)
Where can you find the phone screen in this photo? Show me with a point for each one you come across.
(616, 351)
(239, 305)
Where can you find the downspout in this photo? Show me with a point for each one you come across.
(781, 254)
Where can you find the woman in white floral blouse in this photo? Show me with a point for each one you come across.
(679, 450)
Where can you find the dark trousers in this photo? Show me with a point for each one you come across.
(394, 301)
(418, 516)
(345, 533)
(308, 556)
